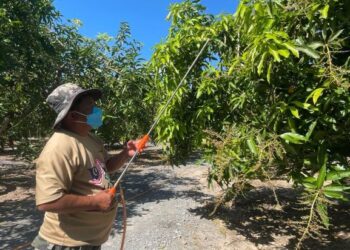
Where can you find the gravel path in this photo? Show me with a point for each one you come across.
(162, 214)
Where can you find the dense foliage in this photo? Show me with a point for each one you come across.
(270, 97)
(38, 52)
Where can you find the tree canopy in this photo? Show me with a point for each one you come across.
(270, 97)
(38, 52)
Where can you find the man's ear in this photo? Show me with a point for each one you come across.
(70, 115)
(73, 115)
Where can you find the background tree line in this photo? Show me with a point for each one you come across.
(38, 52)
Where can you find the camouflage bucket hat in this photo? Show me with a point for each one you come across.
(63, 97)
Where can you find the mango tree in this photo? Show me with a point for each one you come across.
(270, 97)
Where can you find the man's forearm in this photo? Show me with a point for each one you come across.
(69, 203)
(117, 161)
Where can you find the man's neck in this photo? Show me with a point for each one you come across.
(77, 130)
(80, 132)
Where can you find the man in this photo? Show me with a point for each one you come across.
(72, 174)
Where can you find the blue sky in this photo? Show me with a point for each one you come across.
(145, 17)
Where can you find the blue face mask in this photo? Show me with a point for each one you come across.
(94, 119)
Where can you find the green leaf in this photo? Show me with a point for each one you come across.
(336, 188)
(275, 54)
(268, 76)
(309, 185)
(309, 179)
(324, 11)
(252, 146)
(322, 159)
(258, 7)
(322, 212)
(261, 63)
(335, 36)
(78, 23)
(292, 49)
(282, 34)
(241, 9)
(309, 51)
(334, 194)
(230, 71)
(291, 124)
(338, 175)
(317, 94)
(283, 52)
(321, 176)
(294, 111)
(315, 45)
(303, 105)
(315, 6)
(270, 8)
(311, 129)
(199, 93)
(293, 138)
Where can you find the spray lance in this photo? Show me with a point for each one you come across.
(142, 143)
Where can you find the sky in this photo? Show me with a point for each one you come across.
(145, 17)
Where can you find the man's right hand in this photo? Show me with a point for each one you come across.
(104, 201)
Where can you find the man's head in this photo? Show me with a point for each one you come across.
(72, 105)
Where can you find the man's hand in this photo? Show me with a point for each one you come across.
(130, 149)
(104, 201)
(118, 160)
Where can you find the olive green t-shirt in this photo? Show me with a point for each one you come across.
(73, 164)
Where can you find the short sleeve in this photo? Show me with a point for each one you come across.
(54, 176)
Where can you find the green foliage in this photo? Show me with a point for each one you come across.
(276, 73)
(169, 63)
(125, 86)
(38, 53)
(242, 153)
(28, 52)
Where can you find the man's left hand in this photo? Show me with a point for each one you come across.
(131, 148)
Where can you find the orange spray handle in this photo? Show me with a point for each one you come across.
(140, 146)
(142, 143)
(112, 191)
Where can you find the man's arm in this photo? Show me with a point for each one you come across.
(68, 203)
(117, 161)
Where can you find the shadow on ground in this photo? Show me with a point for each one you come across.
(151, 181)
(255, 216)
(20, 223)
(19, 219)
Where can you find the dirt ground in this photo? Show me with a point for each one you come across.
(168, 208)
